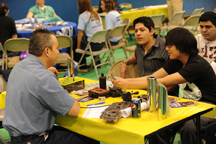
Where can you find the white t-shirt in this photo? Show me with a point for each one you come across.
(207, 49)
(89, 27)
(112, 19)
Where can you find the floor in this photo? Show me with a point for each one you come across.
(91, 75)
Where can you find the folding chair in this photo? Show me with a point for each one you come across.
(117, 31)
(191, 23)
(2, 141)
(17, 45)
(125, 5)
(197, 11)
(157, 19)
(131, 49)
(127, 22)
(64, 41)
(2, 61)
(98, 36)
(175, 21)
(133, 70)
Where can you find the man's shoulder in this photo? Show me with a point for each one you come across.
(33, 8)
(49, 7)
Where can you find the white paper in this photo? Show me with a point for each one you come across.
(127, 112)
(94, 111)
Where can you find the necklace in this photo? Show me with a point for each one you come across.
(46, 16)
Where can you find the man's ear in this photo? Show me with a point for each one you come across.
(46, 51)
(152, 31)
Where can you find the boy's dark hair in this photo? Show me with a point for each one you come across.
(146, 21)
(39, 40)
(208, 16)
(184, 40)
(3, 9)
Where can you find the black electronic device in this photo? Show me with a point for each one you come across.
(115, 91)
(95, 93)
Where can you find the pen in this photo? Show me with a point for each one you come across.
(96, 103)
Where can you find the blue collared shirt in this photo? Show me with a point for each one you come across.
(34, 97)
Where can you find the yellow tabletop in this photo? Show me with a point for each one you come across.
(127, 130)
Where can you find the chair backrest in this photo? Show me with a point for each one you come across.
(1, 47)
(3, 55)
(128, 5)
(17, 44)
(192, 21)
(100, 36)
(127, 22)
(157, 19)
(117, 31)
(177, 17)
(133, 69)
(64, 41)
(197, 11)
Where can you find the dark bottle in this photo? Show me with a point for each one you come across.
(102, 81)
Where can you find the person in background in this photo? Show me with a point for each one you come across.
(43, 11)
(184, 65)
(7, 26)
(35, 97)
(206, 41)
(88, 23)
(174, 6)
(100, 9)
(150, 54)
(206, 44)
(112, 19)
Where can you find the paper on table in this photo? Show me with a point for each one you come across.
(94, 111)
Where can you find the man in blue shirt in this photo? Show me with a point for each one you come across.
(35, 97)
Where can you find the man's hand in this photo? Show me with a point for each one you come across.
(124, 70)
(54, 70)
(120, 82)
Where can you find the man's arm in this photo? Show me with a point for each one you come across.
(172, 79)
(54, 70)
(54, 14)
(124, 68)
(79, 38)
(29, 15)
(138, 83)
(75, 109)
(14, 36)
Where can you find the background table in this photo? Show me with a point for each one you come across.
(54, 29)
(128, 130)
(139, 12)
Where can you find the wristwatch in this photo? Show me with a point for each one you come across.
(123, 62)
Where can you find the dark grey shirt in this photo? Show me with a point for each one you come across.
(34, 97)
(154, 59)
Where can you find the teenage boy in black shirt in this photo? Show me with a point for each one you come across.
(185, 65)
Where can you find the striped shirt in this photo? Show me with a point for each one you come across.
(153, 60)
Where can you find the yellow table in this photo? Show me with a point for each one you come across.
(129, 130)
(135, 13)
(126, 130)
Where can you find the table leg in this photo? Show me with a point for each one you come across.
(198, 129)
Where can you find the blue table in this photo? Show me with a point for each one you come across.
(54, 29)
